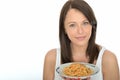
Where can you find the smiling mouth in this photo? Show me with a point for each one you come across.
(80, 38)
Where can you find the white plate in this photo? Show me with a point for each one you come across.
(60, 68)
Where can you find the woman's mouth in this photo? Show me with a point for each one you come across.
(80, 38)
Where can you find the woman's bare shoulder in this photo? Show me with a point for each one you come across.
(51, 55)
(49, 65)
(109, 56)
(110, 65)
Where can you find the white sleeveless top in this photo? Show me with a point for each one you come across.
(98, 76)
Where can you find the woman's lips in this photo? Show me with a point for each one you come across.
(80, 38)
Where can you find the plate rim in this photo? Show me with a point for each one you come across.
(82, 77)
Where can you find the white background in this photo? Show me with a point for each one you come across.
(29, 28)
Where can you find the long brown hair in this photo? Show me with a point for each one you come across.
(92, 49)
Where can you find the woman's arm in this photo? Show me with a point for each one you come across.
(49, 65)
(110, 66)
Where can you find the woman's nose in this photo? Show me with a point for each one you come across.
(80, 29)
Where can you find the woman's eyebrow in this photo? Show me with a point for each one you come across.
(71, 22)
(85, 19)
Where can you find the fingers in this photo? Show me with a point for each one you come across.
(72, 79)
(88, 78)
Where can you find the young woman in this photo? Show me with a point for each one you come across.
(77, 33)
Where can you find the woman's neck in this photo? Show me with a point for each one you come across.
(79, 53)
(78, 49)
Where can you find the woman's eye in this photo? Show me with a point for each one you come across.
(85, 23)
(72, 25)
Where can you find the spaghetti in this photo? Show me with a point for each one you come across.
(77, 70)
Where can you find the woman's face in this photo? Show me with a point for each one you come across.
(77, 27)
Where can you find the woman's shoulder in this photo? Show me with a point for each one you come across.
(108, 56)
(110, 65)
(109, 61)
(51, 55)
(107, 53)
(49, 64)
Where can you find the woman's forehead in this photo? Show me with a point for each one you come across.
(74, 14)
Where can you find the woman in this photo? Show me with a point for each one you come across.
(77, 33)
